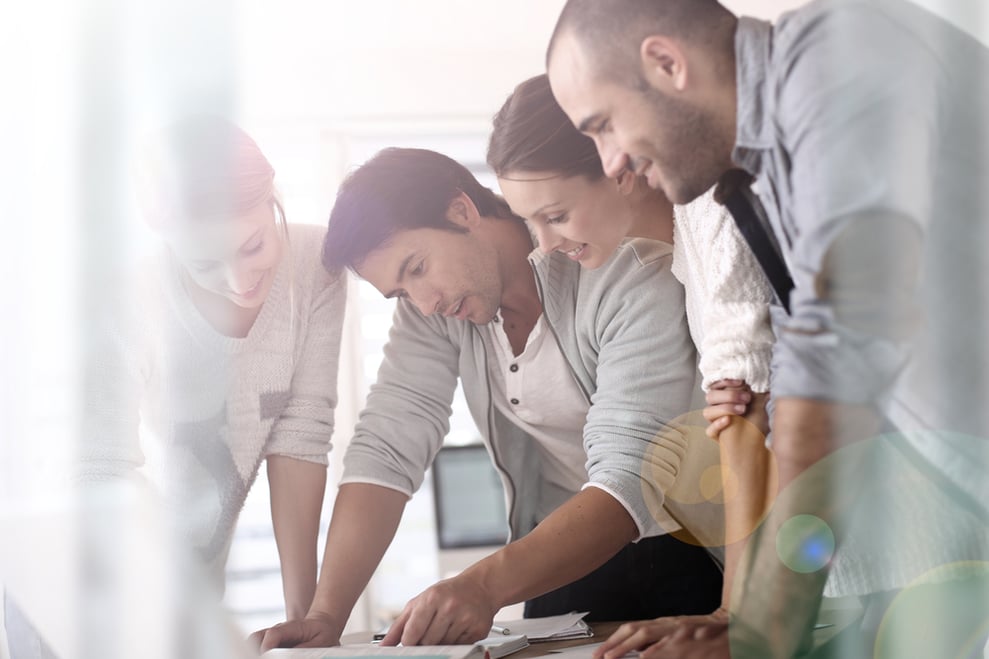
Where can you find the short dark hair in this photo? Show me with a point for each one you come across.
(399, 190)
(614, 29)
(531, 133)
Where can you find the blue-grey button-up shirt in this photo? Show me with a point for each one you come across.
(866, 125)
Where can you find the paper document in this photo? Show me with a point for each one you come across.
(378, 652)
(493, 647)
(551, 628)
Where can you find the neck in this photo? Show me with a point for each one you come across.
(519, 293)
(652, 216)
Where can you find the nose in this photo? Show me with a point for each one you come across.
(426, 298)
(546, 237)
(240, 280)
(613, 160)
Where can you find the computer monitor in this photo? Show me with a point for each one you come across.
(469, 499)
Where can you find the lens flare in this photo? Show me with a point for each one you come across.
(805, 543)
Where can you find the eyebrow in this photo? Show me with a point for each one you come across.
(401, 274)
(541, 209)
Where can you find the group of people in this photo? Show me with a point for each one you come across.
(722, 333)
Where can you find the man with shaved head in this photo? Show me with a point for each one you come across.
(861, 125)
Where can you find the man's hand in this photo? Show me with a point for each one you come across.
(700, 640)
(454, 611)
(316, 630)
(645, 635)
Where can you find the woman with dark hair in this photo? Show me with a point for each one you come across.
(222, 353)
(551, 175)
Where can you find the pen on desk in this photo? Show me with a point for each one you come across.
(496, 629)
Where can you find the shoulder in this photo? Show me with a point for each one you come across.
(638, 254)
(701, 216)
(305, 244)
(639, 272)
(847, 31)
(304, 247)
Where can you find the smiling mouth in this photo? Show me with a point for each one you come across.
(576, 251)
(253, 290)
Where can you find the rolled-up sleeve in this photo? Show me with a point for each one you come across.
(646, 377)
(305, 427)
(407, 414)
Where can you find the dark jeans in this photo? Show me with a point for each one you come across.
(654, 577)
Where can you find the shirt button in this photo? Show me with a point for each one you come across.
(513, 368)
(514, 401)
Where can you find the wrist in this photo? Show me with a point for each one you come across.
(325, 614)
(486, 577)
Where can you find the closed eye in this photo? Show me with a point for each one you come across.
(557, 219)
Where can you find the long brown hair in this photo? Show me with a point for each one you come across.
(532, 134)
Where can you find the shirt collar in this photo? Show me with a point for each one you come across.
(753, 46)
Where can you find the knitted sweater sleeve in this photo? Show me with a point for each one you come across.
(304, 428)
(728, 292)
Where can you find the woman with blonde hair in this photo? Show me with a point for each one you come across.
(222, 354)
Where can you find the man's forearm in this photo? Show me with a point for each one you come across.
(577, 538)
(365, 518)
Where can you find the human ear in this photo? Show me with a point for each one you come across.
(664, 64)
(462, 211)
(626, 182)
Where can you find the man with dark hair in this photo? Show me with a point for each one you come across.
(863, 124)
(575, 384)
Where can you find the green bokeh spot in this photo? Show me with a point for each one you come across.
(805, 543)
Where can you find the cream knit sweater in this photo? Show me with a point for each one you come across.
(727, 294)
(198, 411)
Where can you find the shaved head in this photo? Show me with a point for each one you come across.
(610, 31)
(652, 82)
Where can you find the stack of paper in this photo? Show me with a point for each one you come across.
(552, 628)
(499, 645)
